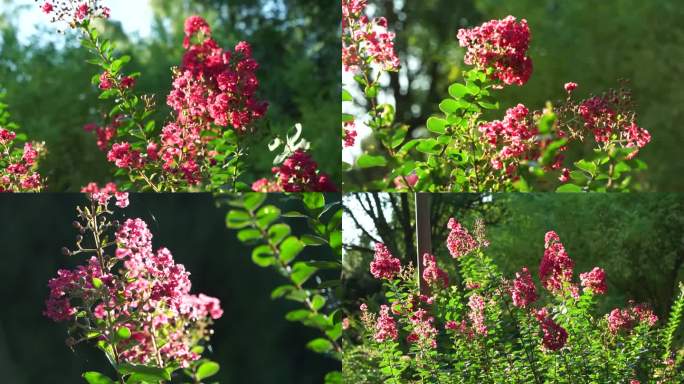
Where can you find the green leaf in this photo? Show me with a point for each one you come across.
(290, 248)
(294, 214)
(318, 302)
(207, 369)
(320, 345)
(252, 201)
(346, 96)
(398, 137)
(586, 166)
(313, 240)
(458, 90)
(429, 146)
(487, 105)
(569, 188)
(97, 378)
(368, 161)
(371, 91)
(281, 291)
(123, 333)
(145, 373)
(248, 234)
(267, 215)
(314, 200)
(297, 315)
(334, 377)
(346, 118)
(97, 283)
(263, 256)
(546, 122)
(237, 219)
(301, 272)
(449, 106)
(278, 232)
(436, 125)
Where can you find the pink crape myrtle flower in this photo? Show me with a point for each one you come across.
(569, 87)
(554, 336)
(386, 326)
(366, 41)
(384, 265)
(595, 280)
(523, 290)
(432, 274)
(626, 319)
(74, 12)
(501, 45)
(513, 138)
(298, 173)
(476, 314)
(459, 242)
(102, 195)
(350, 134)
(605, 117)
(424, 332)
(400, 182)
(19, 172)
(134, 287)
(556, 267)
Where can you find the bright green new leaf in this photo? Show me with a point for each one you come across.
(207, 369)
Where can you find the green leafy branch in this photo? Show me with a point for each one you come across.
(274, 245)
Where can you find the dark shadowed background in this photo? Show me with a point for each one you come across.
(253, 342)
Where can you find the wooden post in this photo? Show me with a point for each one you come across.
(423, 234)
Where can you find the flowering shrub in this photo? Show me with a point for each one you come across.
(132, 302)
(487, 328)
(18, 164)
(216, 111)
(524, 150)
(261, 226)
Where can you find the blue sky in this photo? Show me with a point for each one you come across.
(135, 16)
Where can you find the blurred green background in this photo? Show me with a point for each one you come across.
(593, 43)
(638, 239)
(252, 342)
(47, 80)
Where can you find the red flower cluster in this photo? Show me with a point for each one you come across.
(386, 326)
(104, 134)
(349, 134)
(595, 280)
(365, 41)
(139, 289)
(608, 119)
(553, 335)
(477, 314)
(74, 12)
(501, 45)
(384, 265)
(555, 269)
(424, 332)
(102, 195)
(523, 291)
(459, 242)
(626, 319)
(432, 274)
(17, 167)
(515, 135)
(215, 86)
(298, 173)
